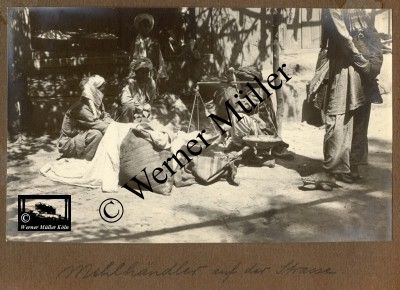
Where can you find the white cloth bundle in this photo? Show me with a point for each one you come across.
(102, 171)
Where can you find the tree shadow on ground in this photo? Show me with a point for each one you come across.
(355, 213)
(301, 164)
(310, 221)
(285, 221)
(18, 151)
(352, 213)
(306, 166)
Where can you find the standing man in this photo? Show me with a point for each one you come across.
(355, 59)
(144, 46)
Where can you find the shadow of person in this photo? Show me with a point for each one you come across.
(301, 164)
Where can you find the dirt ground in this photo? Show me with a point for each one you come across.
(267, 206)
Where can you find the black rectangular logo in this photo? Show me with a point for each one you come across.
(44, 212)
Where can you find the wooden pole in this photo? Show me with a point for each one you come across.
(263, 36)
(276, 19)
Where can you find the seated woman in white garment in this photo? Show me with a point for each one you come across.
(85, 122)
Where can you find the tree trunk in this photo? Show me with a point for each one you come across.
(275, 63)
(19, 66)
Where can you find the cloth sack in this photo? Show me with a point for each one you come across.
(137, 153)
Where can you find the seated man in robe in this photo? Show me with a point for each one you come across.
(138, 94)
(260, 121)
(85, 122)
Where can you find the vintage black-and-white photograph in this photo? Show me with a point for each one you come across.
(199, 125)
(44, 212)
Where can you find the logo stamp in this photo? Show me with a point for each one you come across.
(44, 212)
(111, 210)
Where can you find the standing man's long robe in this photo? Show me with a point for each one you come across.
(352, 89)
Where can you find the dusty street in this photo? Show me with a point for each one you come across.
(267, 206)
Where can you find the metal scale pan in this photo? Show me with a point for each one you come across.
(263, 142)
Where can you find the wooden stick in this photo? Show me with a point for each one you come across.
(235, 82)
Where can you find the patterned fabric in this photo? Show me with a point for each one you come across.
(208, 168)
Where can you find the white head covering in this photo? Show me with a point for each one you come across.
(92, 93)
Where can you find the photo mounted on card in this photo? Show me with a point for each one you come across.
(199, 125)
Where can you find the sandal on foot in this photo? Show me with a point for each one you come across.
(345, 177)
(321, 181)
